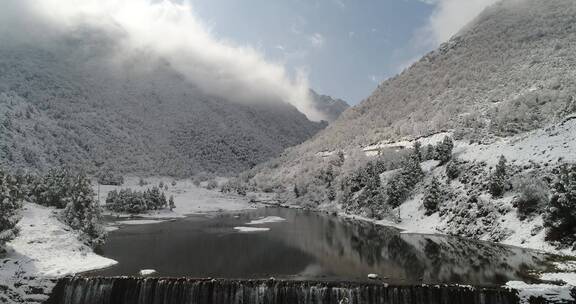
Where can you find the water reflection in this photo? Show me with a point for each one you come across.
(310, 245)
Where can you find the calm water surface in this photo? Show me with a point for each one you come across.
(309, 245)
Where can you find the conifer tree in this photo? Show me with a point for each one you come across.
(560, 215)
(444, 150)
(83, 213)
(418, 150)
(10, 204)
(430, 152)
(499, 179)
(171, 204)
(433, 196)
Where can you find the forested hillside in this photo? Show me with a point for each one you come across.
(74, 101)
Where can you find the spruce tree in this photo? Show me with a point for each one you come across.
(560, 215)
(412, 171)
(171, 204)
(83, 213)
(10, 204)
(433, 196)
(430, 152)
(418, 150)
(444, 150)
(499, 179)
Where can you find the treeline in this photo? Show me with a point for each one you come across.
(131, 201)
(62, 189)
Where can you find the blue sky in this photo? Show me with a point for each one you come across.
(346, 47)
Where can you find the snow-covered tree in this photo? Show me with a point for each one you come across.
(444, 150)
(412, 171)
(418, 150)
(53, 189)
(452, 170)
(109, 177)
(560, 215)
(10, 204)
(533, 195)
(433, 196)
(399, 187)
(83, 212)
(171, 204)
(430, 152)
(499, 179)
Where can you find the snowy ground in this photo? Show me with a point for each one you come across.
(46, 248)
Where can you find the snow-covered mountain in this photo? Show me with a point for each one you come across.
(329, 106)
(63, 103)
(502, 86)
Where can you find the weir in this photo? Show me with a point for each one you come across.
(126, 290)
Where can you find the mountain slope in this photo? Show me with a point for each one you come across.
(502, 86)
(72, 102)
(509, 71)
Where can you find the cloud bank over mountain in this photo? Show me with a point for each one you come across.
(449, 17)
(172, 32)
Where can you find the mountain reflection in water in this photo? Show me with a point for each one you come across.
(310, 245)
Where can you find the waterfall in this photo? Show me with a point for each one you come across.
(125, 290)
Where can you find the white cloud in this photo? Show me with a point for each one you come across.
(375, 79)
(317, 40)
(172, 31)
(340, 3)
(449, 16)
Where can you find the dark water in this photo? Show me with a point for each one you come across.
(310, 245)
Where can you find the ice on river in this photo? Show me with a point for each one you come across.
(265, 220)
(251, 229)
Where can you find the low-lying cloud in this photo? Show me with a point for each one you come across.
(175, 33)
(450, 16)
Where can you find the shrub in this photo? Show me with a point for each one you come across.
(108, 177)
(560, 215)
(142, 182)
(533, 196)
(212, 184)
(234, 186)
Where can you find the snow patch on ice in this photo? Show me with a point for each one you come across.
(147, 272)
(250, 229)
(265, 220)
(140, 222)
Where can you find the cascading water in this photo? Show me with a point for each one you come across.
(125, 290)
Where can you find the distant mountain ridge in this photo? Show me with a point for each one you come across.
(62, 104)
(329, 106)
